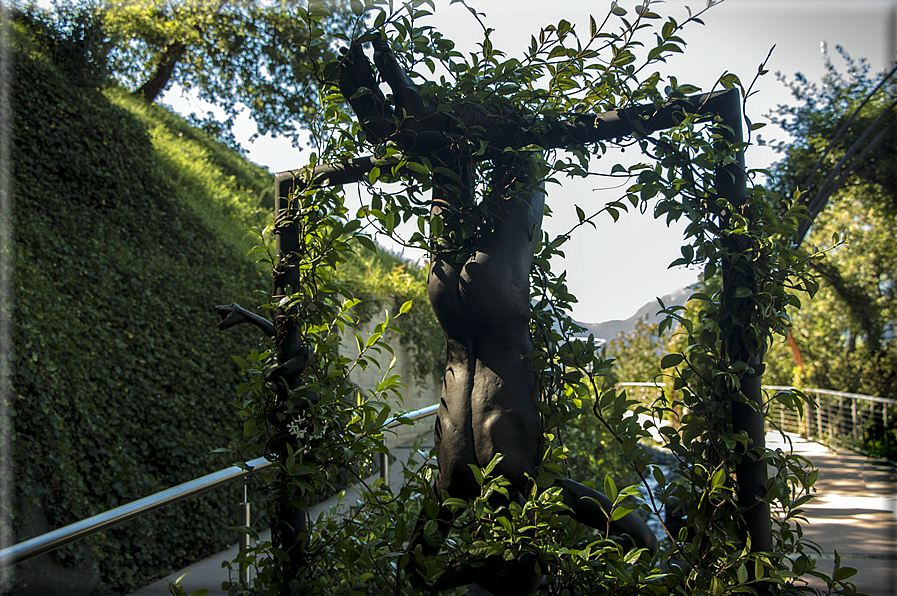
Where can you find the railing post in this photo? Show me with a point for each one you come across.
(840, 415)
(831, 427)
(384, 467)
(884, 410)
(853, 417)
(782, 417)
(819, 416)
(807, 432)
(244, 519)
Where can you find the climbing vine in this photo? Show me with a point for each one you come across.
(564, 82)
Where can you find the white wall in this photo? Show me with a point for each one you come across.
(415, 395)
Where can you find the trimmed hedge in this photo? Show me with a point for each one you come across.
(122, 378)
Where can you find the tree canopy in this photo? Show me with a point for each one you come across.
(264, 57)
(843, 158)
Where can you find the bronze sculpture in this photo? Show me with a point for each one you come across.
(479, 290)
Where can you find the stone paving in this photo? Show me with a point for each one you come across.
(855, 513)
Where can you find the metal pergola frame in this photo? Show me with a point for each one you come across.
(731, 182)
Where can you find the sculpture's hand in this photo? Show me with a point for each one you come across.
(410, 121)
(359, 86)
(405, 93)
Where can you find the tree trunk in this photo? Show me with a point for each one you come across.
(861, 306)
(159, 79)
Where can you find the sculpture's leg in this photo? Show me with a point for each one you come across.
(452, 433)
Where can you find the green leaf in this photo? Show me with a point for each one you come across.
(477, 473)
(610, 488)
(844, 573)
(671, 360)
(417, 167)
(545, 480)
(478, 548)
(437, 227)
(717, 479)
(620, 512)
(367, 243)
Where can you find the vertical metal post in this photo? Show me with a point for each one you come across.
(831, 427)
(884, 410)
(818, 416)
(750, 472)
(841, 416)
(806, 425)
(244, 519)
(853, 417)
(384, 467)
(289, 520)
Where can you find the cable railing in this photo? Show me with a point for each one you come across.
(833, 418)
(81, 529)
(841, 419)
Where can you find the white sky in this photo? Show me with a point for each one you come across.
(623, 265)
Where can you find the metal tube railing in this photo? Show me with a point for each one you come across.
(73, 532)
(859, 396)
(81, 529)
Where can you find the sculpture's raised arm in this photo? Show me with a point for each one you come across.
(417, 127)
(411, 121)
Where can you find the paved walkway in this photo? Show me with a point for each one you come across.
(855, 512)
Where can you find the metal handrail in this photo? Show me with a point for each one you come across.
(102, 521)
(881, 400)
(833, 418)
(81, 529)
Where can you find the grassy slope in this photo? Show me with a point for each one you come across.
(130, 225)
(127, 233)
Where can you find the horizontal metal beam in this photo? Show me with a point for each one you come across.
(859, 396)
(579, 129)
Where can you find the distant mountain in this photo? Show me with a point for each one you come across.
(610, 329)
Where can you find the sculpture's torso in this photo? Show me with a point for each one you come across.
(489, 390)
